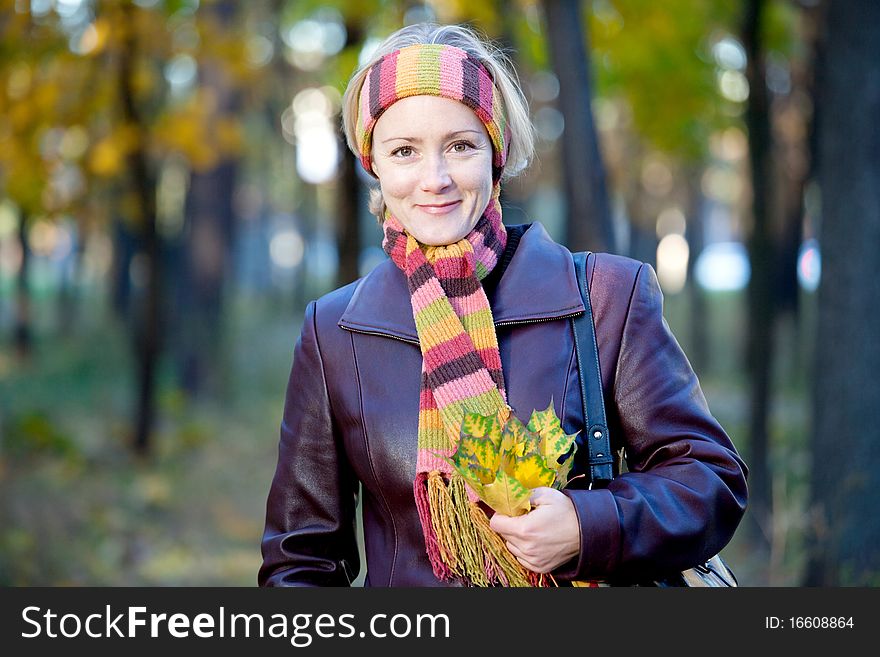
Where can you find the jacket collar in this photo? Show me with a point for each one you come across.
(538, 284)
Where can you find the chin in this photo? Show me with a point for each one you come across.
(437, 237)
(442, 240)
(457, 234)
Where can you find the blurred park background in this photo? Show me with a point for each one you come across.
(174, 190)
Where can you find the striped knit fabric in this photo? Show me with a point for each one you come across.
(431, 70)
(461, 363)
(461, 366)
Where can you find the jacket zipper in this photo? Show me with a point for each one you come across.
(509, 323)
(542, 319)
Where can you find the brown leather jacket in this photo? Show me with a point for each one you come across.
(351, 415)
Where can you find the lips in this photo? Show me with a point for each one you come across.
(439, 208)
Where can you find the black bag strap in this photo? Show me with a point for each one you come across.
(596, 439)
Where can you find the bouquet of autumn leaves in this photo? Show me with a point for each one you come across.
(502, 459)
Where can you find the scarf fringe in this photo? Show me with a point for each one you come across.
(459, 541)
(432, 545)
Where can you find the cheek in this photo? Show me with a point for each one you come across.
(395, 185)
(479, 185)
(477, 179)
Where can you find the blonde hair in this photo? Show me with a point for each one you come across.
(522, 132)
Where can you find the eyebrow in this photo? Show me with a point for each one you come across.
(448, 135)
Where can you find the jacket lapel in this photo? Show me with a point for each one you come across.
(531, 289)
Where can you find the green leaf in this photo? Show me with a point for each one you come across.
(516, 439)
(544, 421)
(482, 426)
(480, 451)
(554, 441)
(472, 469)
(562, 473)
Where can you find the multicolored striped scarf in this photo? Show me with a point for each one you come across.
(461, 363)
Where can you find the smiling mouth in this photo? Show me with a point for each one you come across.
(439, 208)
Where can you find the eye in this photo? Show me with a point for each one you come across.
(403, 151)
(462, 146)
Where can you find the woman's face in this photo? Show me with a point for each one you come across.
(433, 158)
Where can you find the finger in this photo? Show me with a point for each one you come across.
(515, 550)
(537, 568)
(531, 565)
(541, 495)
(534, 563)
(501, 523)
(527, 565)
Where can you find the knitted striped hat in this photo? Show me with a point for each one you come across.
(432, 70)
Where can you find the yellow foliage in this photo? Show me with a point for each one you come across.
(507, 495)
(20, 115)
(46, 98)
(18, 84)
(106, 159)
(144, 80)
(184, 132)
(195, 131)
(531, 471)
(24, 184)
(503, 460)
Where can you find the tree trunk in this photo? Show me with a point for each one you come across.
(22, 326)
(348, 235)
(68, 292)
(589, 216)
(148, 321)
(797, 150)
(124, 249)
(761, 316)
(846, 451)
(698, 353)
(203, 262)
(205, 257)
(347, 217)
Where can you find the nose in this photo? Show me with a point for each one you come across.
(435, 175)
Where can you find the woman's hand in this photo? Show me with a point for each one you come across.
(545, 537)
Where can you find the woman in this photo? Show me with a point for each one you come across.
(468, 315)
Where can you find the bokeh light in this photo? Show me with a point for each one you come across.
(723, 267)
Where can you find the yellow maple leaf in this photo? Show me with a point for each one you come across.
(506, 495)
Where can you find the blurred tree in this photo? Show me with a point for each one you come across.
(30, 77)
(794, 137)
(348, 198)
(142, 181)
(22, 338)
(845, 531)
(204, 257)
(698, 353)
(106, 95)
(761, 315)
(777, 122)
(589, 216)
